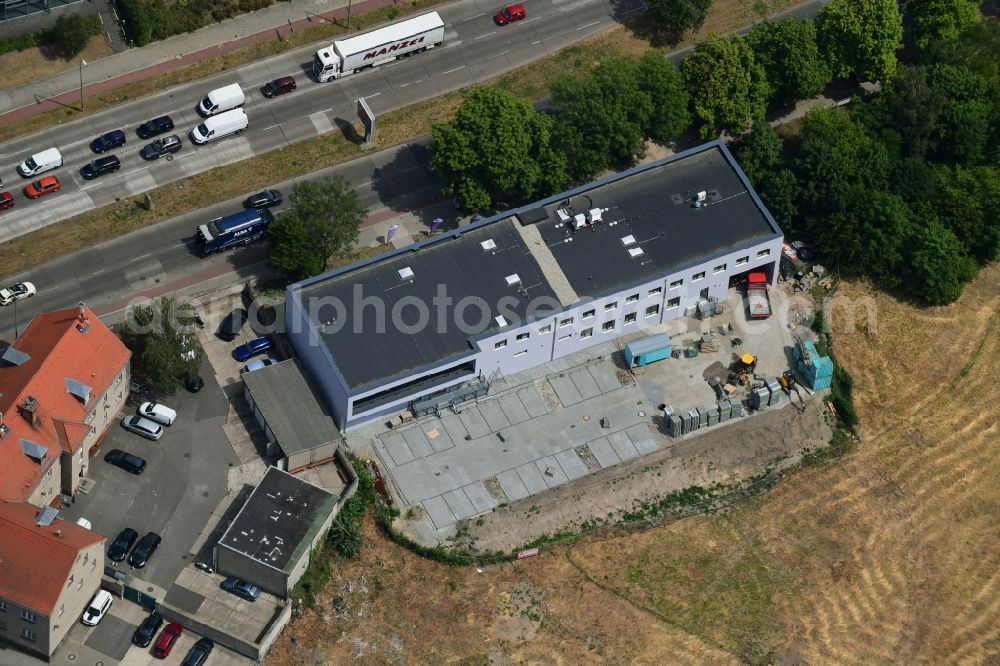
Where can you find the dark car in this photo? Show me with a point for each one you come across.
(109, 141)
(144, 550)
(240, 588)
(279, 86)
(165, 643)
(101, 166)
(194, 383)
(264, 199)
(252, 348)
(122, 544)
(143, 636)
(510, 14)
(199, 653)
(160, 147)
(6, 200)
(231, 325)
(155, 126)
(127, 461)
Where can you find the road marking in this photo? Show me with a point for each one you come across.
(411, 83)
(589, 25)
(473, 17)
(486, 35)
(141, 256)
(373, 95)
(504, 52)
(453, 70)
(533, 18)
(533, 43)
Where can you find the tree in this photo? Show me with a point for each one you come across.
(967, 204)
(659, 78)
(938, 265)
(70, 34)
(759, 152)
(498, 147)
(679, 16)
(322, 223)
(861, 37)
(728, 88)
(914, 180)
(963, 122)
(160, 334)
(780, 193)
(910, 110)
(789, 54)
(940, 20)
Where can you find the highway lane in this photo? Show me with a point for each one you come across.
(474, 49)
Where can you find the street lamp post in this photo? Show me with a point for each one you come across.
(348, 15)
(15, 321)
(82, 64)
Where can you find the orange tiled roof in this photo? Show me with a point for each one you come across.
(35, 562)
(59, 351)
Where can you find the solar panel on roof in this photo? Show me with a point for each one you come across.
(46, 516)
(81, 391)
(14, 356)
(33, 450)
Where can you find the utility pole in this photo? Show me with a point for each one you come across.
(349, 15)
(82, 63)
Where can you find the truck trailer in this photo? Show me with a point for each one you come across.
(227, 232)
(757, 298)
(346, 56)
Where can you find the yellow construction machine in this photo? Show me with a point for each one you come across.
(743, 368)
(789, 384)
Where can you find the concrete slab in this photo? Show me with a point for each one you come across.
(552, 473)
(438, 511)
(513, 408)
(454, 427)
(605, 377)
(459, 503)
(532, 478)
(512, 484)
(185, 599)
(585, 383)
(642, 439)
(418, 443)
(438, 437)
(623, 445)
(474, 422)
(397, 448)
(111, 637)
(604, 452)
(479, 496)
(495, 418)
(571, 464)
(533, 401)
(566, 390)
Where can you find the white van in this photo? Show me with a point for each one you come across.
(222, 99)
(40, 162)
(216, 127)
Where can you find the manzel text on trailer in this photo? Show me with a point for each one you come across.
(241, 228)
(346, 56)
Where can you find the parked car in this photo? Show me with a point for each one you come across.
(143, 427)
(84, 523)
(240, 588)
(510, 14)
(151, 128)
(199, 652)
(231, 325)
(122, 545)
(16, 292)
(264, 199)
(143, 636)
(6, 200)
(167, 640)
(127, 461)
(252, 348)
(109, 141)
(97, 608)
(160, 147)
(144, 550)
(279, 86)
(42, 186)
(100, 167)
(154, 411)
(194, 383)
(258, 364)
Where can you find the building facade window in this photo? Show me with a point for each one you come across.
(720, 268)
(763, 253)
(521, 353)
(28, 635)
(630, 318)
(565, 337)
(545, 329)
(523, 336)
(565, 322)
(70, 581)
(655, 291)
(500, 345)
(62, 607)
(3, 605)
(28, 616)
(588, 314)
(676, 283)
(608, 307)
(608, 326)
(673, 302)
(652, 310)
(742, 260)
(586, 333)
(698, 276)
(634, 298)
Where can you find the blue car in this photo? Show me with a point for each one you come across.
(252, 348)
(108, 141)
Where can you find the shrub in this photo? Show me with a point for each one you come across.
(137, 23)
(70, 34)
(842, 396)
(19, 43)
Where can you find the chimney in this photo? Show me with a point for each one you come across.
(58, 533)
(29, 410)
(80, 306)
(83, 323)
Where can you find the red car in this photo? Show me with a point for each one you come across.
(167, 640)
(509, 14)
(42, 186)
(6, 200)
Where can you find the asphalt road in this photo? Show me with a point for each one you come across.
(474, 49)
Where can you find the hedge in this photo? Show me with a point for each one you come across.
(138, 25)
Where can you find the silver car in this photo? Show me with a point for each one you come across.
(154, 411)
(143, 427)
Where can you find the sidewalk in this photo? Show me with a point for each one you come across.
(277, 21)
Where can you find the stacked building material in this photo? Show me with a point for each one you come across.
(737, 406)
(816, 370)
(774, 388)
(725, 410)
(674, 426)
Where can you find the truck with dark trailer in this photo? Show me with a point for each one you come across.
(227, 232)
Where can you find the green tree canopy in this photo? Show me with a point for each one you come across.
(321, 224)
(160, 334)
(759, 152)
(968, 202)
(963, 123)
(789, 54)
(940, 20)
(938, 265)
(70, 34)
(780, 193)
(727, 87)
(679, 16)
(861, 37)
(659, 78)
(497, 148)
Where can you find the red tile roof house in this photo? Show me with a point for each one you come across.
(50, 569)
(62, 383)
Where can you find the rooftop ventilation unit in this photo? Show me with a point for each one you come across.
(501, 322)
(405, 273)
(488, 245)
(579, 221)
(702, 196)
(513, 280)
(564, 215)
(628, 240)
(634, 252)
(594, 215)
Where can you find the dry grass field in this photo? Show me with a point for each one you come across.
(20, 67)
(890, 554)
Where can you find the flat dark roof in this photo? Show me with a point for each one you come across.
(652, 203)
(279, 519)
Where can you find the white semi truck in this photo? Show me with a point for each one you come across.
(346, 56)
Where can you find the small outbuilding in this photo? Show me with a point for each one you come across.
(647, 350)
